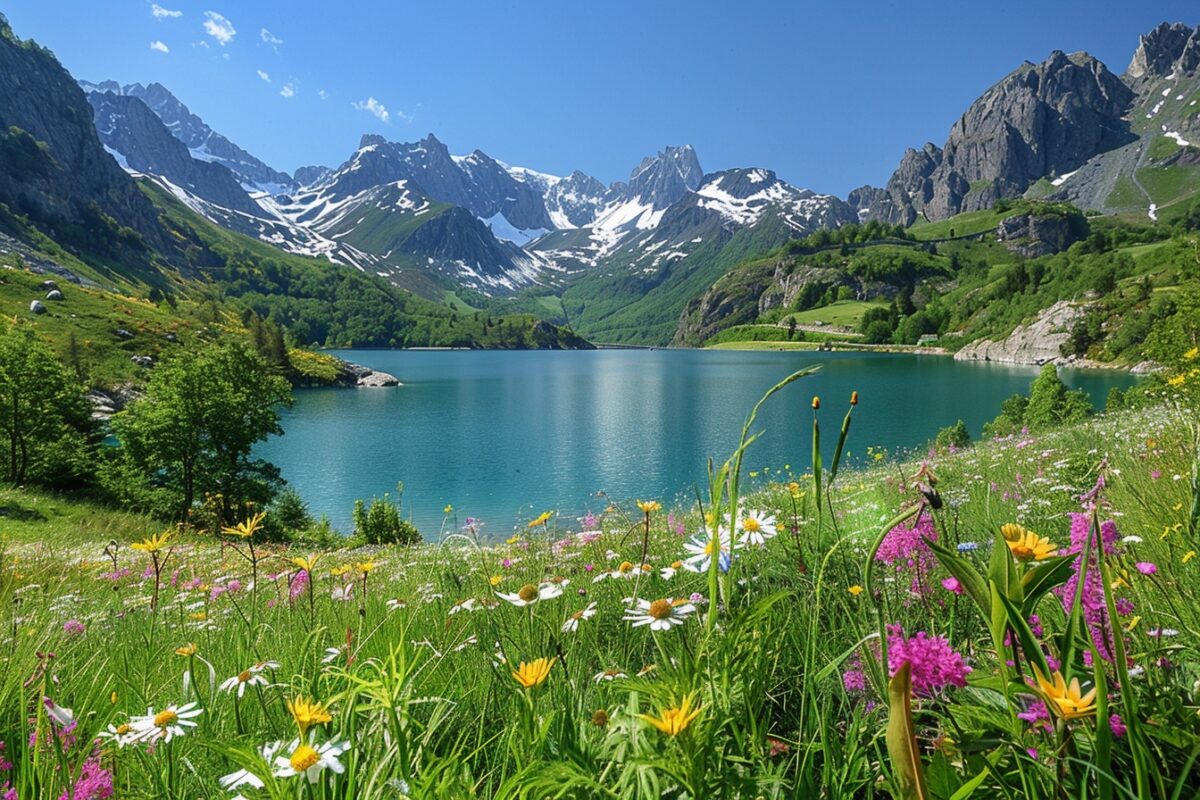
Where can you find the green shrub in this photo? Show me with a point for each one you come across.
(381, 523)
(953, 436)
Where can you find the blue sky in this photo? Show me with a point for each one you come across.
(827, 94)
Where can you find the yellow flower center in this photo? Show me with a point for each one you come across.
(303, 758)
(625, 567)
(164, 718)
(710, 548)
(751, 524)
(124, 728)
(660, 609)
(528, 593)
(243, 676)
(577, 615)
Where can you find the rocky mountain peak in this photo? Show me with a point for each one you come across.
(371, 140)
(1168, 49)
(663, 179)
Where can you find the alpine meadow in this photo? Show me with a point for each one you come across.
(406, 474)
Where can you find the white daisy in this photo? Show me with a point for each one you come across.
(529, 594)
(667, 573)
(608, 675)
(332, 654)
(572, 623)
(172, 721)
(464, 605)
(394, 604)
(309, 761)
(249, 677)
(660, 615)
(243, 777)
(756, 528)
(120, 735)
(702, 546)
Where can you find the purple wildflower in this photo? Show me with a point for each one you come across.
(935, 665)
(73, 627)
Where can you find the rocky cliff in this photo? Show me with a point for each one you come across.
(1038, 342)
(1040, 120)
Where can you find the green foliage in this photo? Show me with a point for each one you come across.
(1049, 404)
(382, 523)
(953, 436)
(193, 433)
(46, 430)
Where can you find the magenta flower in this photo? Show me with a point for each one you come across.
(1095, 615)
(1146, 568)
(1117, 725)
(73, 627)
(935, 665)
(952, 585)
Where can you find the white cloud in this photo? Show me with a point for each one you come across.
(163, 13)
(373, 106)
(265, 76)
(321, 93)
(288, 90)
(159, 46)
(219, 28)
(270, 38)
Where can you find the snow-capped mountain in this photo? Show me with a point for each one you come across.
(204, 143)
(424, 218)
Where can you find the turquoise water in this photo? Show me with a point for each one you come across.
(503, 436)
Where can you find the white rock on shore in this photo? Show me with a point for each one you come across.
(378, 379)
(1037, 343)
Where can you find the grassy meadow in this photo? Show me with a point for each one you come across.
(898, 631)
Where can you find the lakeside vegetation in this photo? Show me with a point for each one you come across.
(898, 630)
(928, 283)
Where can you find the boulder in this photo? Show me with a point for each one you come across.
(123, 334)
(378, 379)
(54, 294)
(48, 285)
(1039, 342)
(1033, 235)
(143, 361)
(36, 307)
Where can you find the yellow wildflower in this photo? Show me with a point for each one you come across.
(540, 520)
(307, 713)
(188, 649)
(855, 590)
(1067, 700)
(246, 528)
(673, 721)
(306, 564)
(1188, 556)
(533, 673)
(1027, 545)
(154, 544)
(649, 506)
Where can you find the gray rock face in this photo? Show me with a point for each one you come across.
(375, 380)
(1037, 343)
(307, 176)
(1168, 49)
(1033, 236)
(36, 307)
(1042, 119)
(205, 143)
(477, 182)
(128, 127)
(53, 167)
(665, 178)
(576, 199)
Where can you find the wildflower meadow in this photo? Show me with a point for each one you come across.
(1015, 619)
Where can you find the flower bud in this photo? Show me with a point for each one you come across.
(816, 402)
(854, 398)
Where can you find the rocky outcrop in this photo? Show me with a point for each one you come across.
(204, 143)
(1166, 50)
(308, 175)
(130, 129)
(53, 167)
(1042, 119)
(1039, 342)
(1033, 235)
